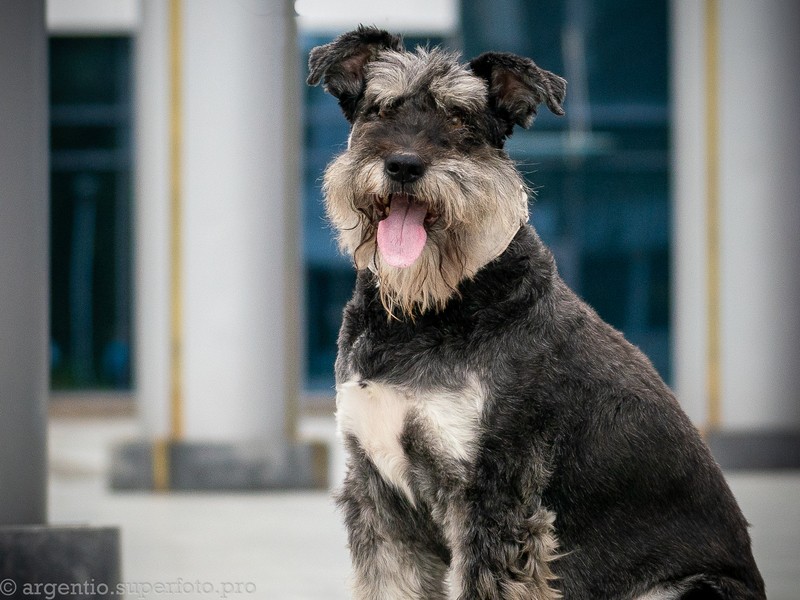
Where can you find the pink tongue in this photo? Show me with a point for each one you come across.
(402, 235)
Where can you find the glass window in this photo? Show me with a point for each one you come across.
(90, 212)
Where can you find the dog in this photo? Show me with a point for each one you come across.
(503, 442)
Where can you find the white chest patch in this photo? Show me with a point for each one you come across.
(376, 415)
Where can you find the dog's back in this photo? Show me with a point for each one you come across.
(636, 493)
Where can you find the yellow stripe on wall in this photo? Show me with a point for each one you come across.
(713, 376)
(161, 461)
(176, 216)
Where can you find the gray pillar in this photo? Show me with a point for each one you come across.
(23, 262)
(30, 551)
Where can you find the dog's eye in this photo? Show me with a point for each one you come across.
(378, 111)
(456, 119)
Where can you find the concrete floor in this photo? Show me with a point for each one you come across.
(291, 546)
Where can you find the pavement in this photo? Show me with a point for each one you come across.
(291, 545)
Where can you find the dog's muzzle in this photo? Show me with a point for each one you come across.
(402, 217)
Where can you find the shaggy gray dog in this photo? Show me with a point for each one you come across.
(503, 441)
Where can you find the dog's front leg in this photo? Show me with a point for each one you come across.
(501, 548)
(392, 546)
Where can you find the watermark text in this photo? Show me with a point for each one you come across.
(138, 590)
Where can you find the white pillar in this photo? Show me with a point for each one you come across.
(239, 228)
(23, 262)
(759, 221)
(152, 222)
(241, 244)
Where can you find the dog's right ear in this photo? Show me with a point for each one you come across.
(340, 64)
(517, 86)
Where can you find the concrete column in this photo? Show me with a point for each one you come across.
(238, 283)
(241, 243)
(760, 183)
(30, 551)
(23, 262)
(152, 220)
(689, 324)
(759, 212)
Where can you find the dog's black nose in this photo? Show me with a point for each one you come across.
(404, 168)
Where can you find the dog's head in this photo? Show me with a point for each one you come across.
(425, 195)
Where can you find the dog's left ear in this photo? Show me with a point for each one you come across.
(517, 86)
(340, 64)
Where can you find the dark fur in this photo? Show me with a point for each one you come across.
(576, 423)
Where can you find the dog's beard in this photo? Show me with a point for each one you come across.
(475, 209)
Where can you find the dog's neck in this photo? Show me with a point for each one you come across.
(488, 247)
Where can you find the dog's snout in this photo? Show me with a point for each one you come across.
(404, 168)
